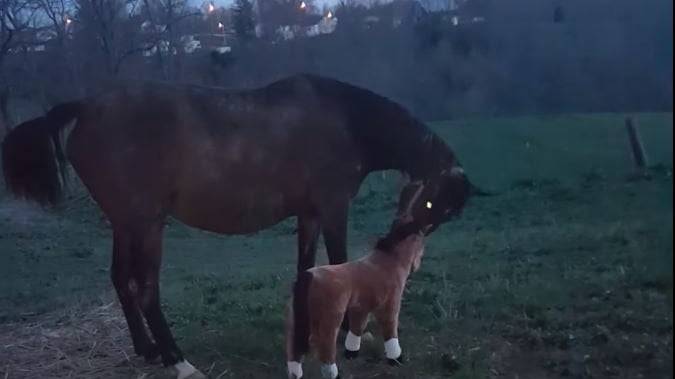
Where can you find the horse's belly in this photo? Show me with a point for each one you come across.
(232, 213)
(239, 185)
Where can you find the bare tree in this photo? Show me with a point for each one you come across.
(168, 16)
(113, 27)
(57, 13)
(15, 17)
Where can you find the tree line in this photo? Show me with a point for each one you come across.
(484, 57)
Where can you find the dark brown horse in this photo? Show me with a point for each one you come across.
(229, 162)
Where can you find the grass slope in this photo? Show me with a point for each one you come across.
(566, 273)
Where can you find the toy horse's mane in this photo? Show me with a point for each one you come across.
(396, 235)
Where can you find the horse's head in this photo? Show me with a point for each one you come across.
(436, 200)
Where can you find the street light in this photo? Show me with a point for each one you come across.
(303, 5)
(212, 8)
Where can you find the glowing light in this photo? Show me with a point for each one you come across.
(429, 205)
(303, 5)
(220, 25)
(212, 8)
(329, 15)
(68, 21)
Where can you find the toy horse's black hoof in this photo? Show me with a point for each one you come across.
(396, 362)
(349, 355)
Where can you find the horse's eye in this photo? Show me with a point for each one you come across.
(429, 205)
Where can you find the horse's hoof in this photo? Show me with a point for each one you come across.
(396, 362)
(349, 354)
(196, 375)
(151, 354)
(185, 370)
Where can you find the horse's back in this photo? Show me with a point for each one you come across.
(201, 153)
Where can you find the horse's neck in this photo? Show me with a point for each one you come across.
(418, 153)
(391, 263)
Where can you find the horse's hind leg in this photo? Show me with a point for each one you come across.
(293, 358)
(148, 255)
(121, 275)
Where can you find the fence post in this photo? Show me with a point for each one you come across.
(637, 148)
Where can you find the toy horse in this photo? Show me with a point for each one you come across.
(373, 284)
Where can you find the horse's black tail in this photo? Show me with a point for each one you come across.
(33, 158)
(301, 317)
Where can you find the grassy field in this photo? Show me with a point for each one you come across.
(566, 272)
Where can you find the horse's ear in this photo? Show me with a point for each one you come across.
(411, 192)
(454, 171)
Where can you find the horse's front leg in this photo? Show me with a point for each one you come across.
(334, 223)
(326, 338)
(308, 236)
(358, 320)
(387, 317)
(333, 216)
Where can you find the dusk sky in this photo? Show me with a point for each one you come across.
(227, 3)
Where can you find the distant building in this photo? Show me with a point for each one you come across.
(396, 14)
(34, 40)
(441, 5)
(325, 25)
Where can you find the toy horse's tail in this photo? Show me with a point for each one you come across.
(301, 317)
(33, 158)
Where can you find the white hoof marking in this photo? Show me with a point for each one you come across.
(329, 371)
(185, 369)
(294, 370)
(392, 349)
(352, 342)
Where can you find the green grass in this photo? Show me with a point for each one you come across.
(566, 273)
(498, 152)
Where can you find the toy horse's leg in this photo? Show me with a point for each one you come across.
(148, 255)
(326, 338)
(388, 320)
(121, 275)
(358, 320)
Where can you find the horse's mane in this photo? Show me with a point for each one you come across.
(389, 134)
(396, 235)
